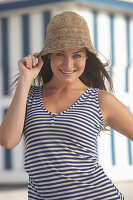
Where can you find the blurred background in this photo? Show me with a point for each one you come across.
(22, 32)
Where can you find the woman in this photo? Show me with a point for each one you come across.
(61, 118)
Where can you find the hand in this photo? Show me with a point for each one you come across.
(30, 66)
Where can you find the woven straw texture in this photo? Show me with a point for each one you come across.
(67, 30)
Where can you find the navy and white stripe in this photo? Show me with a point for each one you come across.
(61, 150)
(24, 32)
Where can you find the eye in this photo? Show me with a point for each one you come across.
(60, 54)
(77, 56)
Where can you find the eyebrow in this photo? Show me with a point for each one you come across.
(74, 52)
(78, 51)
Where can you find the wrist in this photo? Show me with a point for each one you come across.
(25, 82)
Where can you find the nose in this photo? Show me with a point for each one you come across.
(68, 62)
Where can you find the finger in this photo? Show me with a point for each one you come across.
(25, 61)
(33, 61)
(36, 58)
(36, 54)
(40, 61)
(30, 61)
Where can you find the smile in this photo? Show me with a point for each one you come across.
(67, 72)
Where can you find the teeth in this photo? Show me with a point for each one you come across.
(67, 72)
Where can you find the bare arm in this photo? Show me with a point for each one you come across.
(12, 125)
(116, 114)
(13, 122)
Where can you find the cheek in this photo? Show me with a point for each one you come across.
(81, 65)
(54, 64)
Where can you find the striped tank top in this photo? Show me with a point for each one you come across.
(61, 150)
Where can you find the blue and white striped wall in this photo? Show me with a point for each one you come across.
(22, 32)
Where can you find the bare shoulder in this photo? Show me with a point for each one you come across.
(109, 101)
(106, 98)
(116, 114)
(105, 95)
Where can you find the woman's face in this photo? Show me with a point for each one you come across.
(68, 65)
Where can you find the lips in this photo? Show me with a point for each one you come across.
(67, 72)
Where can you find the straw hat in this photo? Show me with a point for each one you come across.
(67, 30)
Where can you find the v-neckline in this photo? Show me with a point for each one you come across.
(65, 111)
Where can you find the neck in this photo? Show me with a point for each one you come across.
(54, 84)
